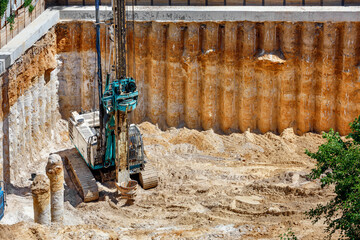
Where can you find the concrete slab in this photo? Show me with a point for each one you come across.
(27, 37)
(220, 13)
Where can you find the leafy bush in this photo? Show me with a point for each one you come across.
(3, 6)
(27, 3)
(289, 235)
(338, 164)
(11, 21)
(31, 8)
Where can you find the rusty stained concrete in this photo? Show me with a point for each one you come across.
(229, 76)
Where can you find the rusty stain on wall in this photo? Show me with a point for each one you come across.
(230, 76)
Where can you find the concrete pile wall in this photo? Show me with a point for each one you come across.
(29, 110)
(229, 76)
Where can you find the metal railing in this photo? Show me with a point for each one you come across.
(20, 18)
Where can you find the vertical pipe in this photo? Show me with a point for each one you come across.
(227, 93)
(130, 49)
(157, 74)
(325, 99)
(248, 86)
(306, 85)
(345, 106)
(266, 82)
(210, 70)
(193, 76)
(174, 76)
(141, 57)
(54, 171)
(287, 80)
(40, 189)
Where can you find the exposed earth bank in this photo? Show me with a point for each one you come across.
(238, 186)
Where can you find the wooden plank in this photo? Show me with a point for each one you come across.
(234, 2)
(161, 2)
(43, 6)
(61, 2)
(33, 14)
(273, 2)
(27, 17)
(143, 2)
(197, 2)
(312, 2)
(21, 19)
(2, 37)
(8, 33)
(90, 2)
(75, 2)
(293, 2)
(216, 2)
(352, 2)
(179, 2)
(106, 2)
(253, 2)
(332, 2)
(15, 28)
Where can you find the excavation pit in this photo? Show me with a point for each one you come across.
(202, 85)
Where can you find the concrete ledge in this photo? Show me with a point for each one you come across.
(27, 38)
(38, 28)
(2, 66)
(220, 13)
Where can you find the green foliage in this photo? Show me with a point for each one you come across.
(11, 21)
(289, 235)
(31, 8)
(338, 164)
(3, 6)
(27, 3)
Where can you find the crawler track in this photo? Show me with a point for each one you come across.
(80, 175)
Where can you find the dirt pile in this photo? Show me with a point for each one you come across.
(238, 186)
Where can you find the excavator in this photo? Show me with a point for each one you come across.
(107, 147)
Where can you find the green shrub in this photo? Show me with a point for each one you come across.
(11, 21)
(27, 3)
(31, 8)
(338, 164)
(289, 235)
(3, 6)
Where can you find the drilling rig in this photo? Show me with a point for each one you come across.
(107, 147)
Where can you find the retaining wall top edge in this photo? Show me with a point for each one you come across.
(222, 13)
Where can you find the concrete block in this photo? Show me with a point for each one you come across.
(28, 36)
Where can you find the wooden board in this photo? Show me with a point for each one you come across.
(334, 3)
(234, 2)
(216, 2)
(293, 2)
(253, 2)
(274, 2)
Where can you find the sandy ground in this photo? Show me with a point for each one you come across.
(238, 186)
